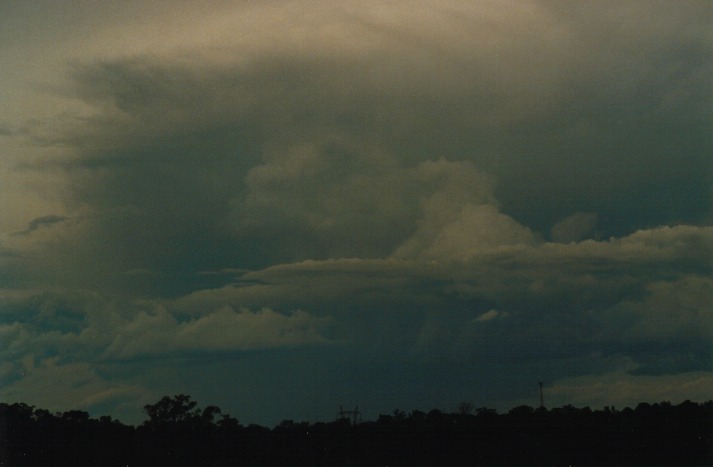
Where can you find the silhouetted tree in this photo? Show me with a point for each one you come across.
(465, 408)
(178, 432)
(174, 410)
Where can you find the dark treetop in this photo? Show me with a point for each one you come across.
(178, 432)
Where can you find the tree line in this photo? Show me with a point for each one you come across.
(179, 433)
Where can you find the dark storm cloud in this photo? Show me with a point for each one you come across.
(266, 142)
(488, 325)
(539, 292)
(364, 213)
(272, 158)
(279, 179)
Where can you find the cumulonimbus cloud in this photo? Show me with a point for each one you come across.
(396, 173)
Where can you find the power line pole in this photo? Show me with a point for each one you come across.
(542, 397)
(351, 415)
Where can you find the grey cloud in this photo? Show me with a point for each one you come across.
(538, 310)
(561, 301)
(574, 228)
(669, 311)
(398, 184)
(291, 158)
(474, 230)
(39, 222)
(222, 330)
(491, 315)
(80, 326)
(76, 385)
(87, 362)
(358, 203)
(544, 288)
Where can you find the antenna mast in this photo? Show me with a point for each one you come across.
(542, 398)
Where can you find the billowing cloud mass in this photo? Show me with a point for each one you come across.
(280, 207)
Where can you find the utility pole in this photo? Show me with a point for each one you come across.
(542, 397)
(351, 415)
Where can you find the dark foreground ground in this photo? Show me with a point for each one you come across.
(177, 433)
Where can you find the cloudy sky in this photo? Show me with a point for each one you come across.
(277, 207)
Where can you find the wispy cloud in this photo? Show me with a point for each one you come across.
(42, 222)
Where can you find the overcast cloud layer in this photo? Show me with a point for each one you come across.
(278, 207)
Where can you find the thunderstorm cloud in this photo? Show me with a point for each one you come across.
(280, 207)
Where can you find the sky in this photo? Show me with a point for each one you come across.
(279, 207)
